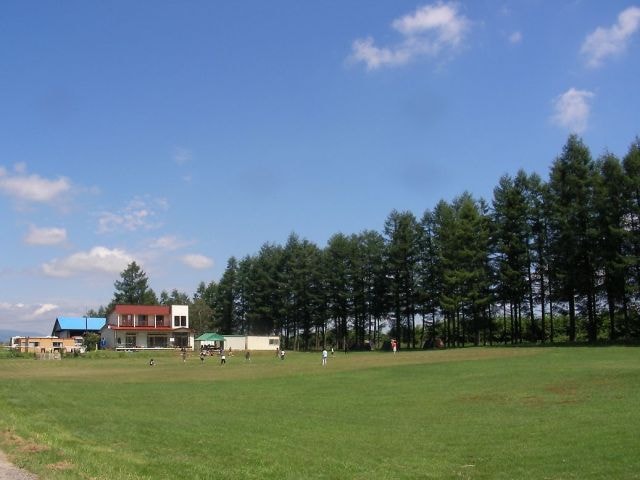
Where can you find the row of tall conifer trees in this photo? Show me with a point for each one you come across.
(546, 260)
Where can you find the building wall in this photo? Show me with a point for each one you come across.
(179, 311)
(251, 342)
(44, 344)
(235, 342)
(255, 342)
(111, 336)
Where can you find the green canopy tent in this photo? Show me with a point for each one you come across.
(210, 337)
(209, 340)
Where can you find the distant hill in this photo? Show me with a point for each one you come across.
(5, 335)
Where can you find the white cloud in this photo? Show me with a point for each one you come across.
(36, 318)
(181, 155)
(43, 309)
(443, 19)
(10, 306)
(169, 242)
(31, 188)
(197, 261)
(429, 31)
(138, 214)
(606, 42)
(45, 236)
(28, 318)
(515, 37)
(97, 260)
(365, 51)
(572, 109)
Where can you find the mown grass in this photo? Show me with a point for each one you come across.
(479, 413)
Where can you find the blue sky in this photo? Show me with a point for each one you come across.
(178, 134)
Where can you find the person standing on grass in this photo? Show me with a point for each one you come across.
(247, 356)
(223, 357)
(282, 352)
(324, 357)
(202, 357)
(394, 346)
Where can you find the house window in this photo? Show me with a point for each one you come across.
(157, 341)
(274, 341)
(180, 321)
(181, 340)
(160, 321)
(130, 340)
(126, 321)
(142, 321)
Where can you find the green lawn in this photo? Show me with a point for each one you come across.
(512, 413)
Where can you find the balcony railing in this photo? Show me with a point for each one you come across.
(144, 324)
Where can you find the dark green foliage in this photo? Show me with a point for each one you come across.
(133, 288)
(227, 298)
(100, 313)
(91, 341)
(402, 234)
(549, 260)
(174, 298)
(574, 231)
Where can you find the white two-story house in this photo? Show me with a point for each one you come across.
(141, 327)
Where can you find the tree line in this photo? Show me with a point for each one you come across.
(546, 261)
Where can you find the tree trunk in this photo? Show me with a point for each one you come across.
(551, 330)
(572, 318)
(612, 315)
(534, 334)
(504, 322)
(543, 327)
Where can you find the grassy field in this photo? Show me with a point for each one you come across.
(478, 413)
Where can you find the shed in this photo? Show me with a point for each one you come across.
(252, 342)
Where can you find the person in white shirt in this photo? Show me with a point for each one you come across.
(324, 357)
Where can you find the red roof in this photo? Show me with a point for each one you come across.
(143, 310)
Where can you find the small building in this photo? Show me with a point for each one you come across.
(46, 344)
(251, 342)
(69, 327)
(142, 327)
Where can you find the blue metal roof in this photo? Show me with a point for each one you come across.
(81, 323)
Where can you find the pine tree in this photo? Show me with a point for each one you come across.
(402, 234)
(631, 223)
(573, 231)
(429, 276)
(339, 289)
(511, 246)
(539, 226)
(133, 288)
(610, 204)
(227, 297)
